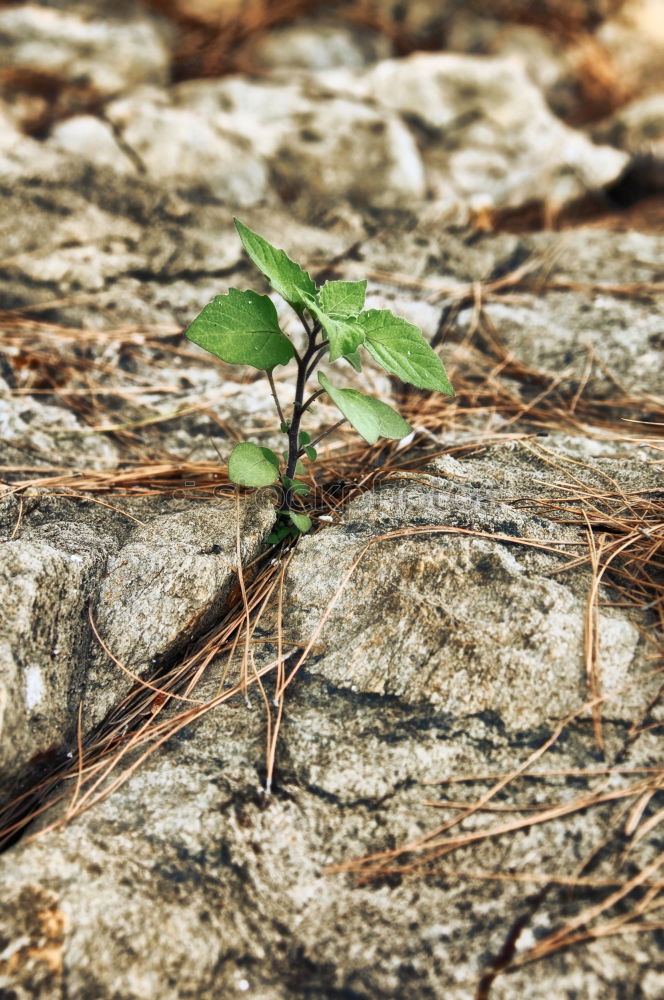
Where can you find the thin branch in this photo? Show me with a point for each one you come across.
(320, 437)
(314, 396)
(273, 390)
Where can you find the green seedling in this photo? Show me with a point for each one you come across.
(242, 328)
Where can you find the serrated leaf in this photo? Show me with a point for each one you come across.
(344, 334)
(251, 465)
(304, 437)
(301, 521)
(354, 359)
(402, 350)
(343, 298)
(292, 282)
(311, 453)
(242, 328)
(370, 418)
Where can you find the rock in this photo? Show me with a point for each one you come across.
(490, 140)
(638, 127)
(180, 145)
(347, 150)
(431, 23)
(543, 56)
(621, 336)
(48, 574)
(169, 583)
(212, 889)
(320, 148)
(481, 137)
(319, 46)
(465, 623)
(38, 434)
(151, 592)
(634, 40)
(93, 140)
(109, 55)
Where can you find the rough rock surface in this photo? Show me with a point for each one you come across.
(449, 657)
(470, 622)
(221, 891)
(492, 140)
(169, 582)
(151, 590)
(109, 55)
(468, 133)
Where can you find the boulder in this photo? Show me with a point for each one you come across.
(151, 592)
(466, 617)
(108, 53)
(489, 139)
(189, 881)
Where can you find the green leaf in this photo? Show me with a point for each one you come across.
(251, 465)
(300, 468)
(311, 453)
(242, 328)
(344, 334)
(285, 276)
(301, 521)
(303, 438)
(280, 531)
(301, 489)
(355, 360)
(402, 350)
(343, 298)
(370, 418)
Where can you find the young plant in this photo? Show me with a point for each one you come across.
(242, 328)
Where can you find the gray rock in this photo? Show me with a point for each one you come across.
(189, 882)
(94, 140)
(319, 46)
(555, 333)
(321, 147)
(109, 54)
(465, 623)
(169, 582)
(152, 591)
(48, 574)
(637, 127)
(495, 144)
(178, 144)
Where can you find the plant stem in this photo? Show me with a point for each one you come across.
(312, 444)
(312, 398)
(304, 369)
(273, 390)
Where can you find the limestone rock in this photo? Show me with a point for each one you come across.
(94, 140)
(637, 127)
(319, 46)
(169, 583)
(320, 147)
(624, 338)
(151, 591)
(179, 144)
(492, 141)
(109, 54)
(188, 881)
(48, 574)
(467, 623)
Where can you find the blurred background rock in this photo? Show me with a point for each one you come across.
(519, 116)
